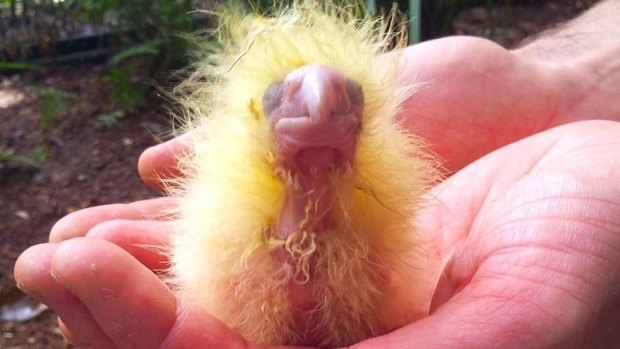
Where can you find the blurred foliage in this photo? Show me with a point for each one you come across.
(110, 119)
(27, 26)
(143, 38)
(128, 93)
(52, 103)
(17, 66)
(35, 159)
(136, 23)
(442, 14)
(439, 15)
(149, 33)
(147, 48)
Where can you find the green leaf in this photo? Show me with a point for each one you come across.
(127, 92)
(51, 102)
(39, 154)
(110, 119)
(11, 66)
(147, 48)
(35, 159)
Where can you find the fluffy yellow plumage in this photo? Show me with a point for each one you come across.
(364, 267)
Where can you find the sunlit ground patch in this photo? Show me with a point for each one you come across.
(9, 98)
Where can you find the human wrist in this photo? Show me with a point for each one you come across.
(594, 30)
(584, 56)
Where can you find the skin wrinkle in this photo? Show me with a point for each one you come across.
(565, 271)
(178, 323)
(461, 242)
(551, 245)
(532, 268)
(444, 221)
(571, 160)
(586, 283)
(524, 299)
(588, 221)
(492, 314)
(562, 197)
(507, 307)
(562, 218)
(497, 251)
(516, 193)
(489, 198)
(590, 76)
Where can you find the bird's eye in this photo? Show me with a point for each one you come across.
(272, 98)
(354, 90)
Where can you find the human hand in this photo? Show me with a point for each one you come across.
(530, 236)
(97, 283)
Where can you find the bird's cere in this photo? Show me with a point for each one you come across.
(314, 107)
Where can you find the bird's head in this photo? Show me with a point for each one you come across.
(315, 115)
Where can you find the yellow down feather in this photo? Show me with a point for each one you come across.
(231, 196)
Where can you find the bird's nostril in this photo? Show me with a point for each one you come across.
(355, 93)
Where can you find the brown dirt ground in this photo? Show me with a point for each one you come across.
(91, 164)
(88, 164)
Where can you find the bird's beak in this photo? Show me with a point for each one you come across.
(315, 107)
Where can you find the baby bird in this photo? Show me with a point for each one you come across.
(295, 213)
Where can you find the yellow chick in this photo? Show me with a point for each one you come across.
(295, 213)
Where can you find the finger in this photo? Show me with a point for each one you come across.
(132, 306)
(80, 222)
(146, 241)
(159, 162)
(73, 339)
(32, 273)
